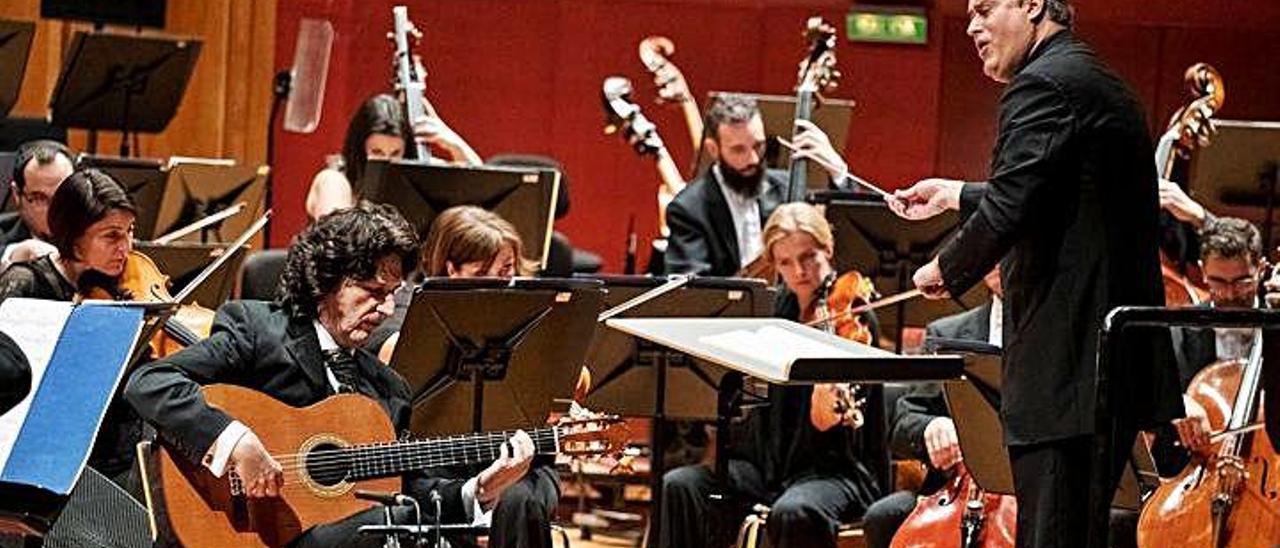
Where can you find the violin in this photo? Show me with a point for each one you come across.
(1226, 496)
(836, 297)
(142, 280)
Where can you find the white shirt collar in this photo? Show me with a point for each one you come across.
(326, 340)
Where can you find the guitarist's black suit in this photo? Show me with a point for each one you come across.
(257, 345)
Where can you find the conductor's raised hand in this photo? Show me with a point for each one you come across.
(926, 198)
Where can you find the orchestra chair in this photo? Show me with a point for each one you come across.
(752, 532)
(260, 274)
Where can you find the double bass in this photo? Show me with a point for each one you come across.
(817, 74)
(1229, 495)
(1191, 127)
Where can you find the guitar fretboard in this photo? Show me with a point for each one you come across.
(395, 458)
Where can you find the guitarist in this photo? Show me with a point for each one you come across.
(337, 286)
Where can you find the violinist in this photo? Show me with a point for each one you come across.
(378, 131)
(922, 428)
(38, 168)
(1231, 259)
(90, 223)
(800, 454)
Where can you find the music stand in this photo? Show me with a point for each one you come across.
(887, 248)
(15, 45)
(779, 352)
(142, 178)
(974, 404)
(506, 365)
(183, 261)
(127, 83)
(1237, 175)
(525, 197)
(625, 369)
(195, 190)
(779, 112)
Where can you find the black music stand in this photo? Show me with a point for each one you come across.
(15, 46)
(778, 112)
(1237, 175)
(879, 244)
(974, 403)
(526, 197)
(132, 84)
(779, 352)
(506, 365)
(142, 178)
(196, 189)
(183, 261)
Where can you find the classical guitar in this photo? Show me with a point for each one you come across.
(327, 451)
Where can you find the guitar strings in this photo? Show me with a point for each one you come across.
(432, 452)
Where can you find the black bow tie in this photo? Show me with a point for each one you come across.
(344, 369)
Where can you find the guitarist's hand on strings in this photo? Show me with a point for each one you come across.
(261, 474)
(512, 464)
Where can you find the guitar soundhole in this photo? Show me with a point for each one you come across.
(328, 464)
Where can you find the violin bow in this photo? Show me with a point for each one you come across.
(848, 174)
(216, 217)
(226, 255)
(853, 311)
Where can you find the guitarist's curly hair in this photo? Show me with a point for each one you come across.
(346, 244)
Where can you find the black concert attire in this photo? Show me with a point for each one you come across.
(703, 236)
(813, 480)
(12, 230)
(524, 514)
(113, 450)
(914, 410)
(258, 345)
(1070, 211)
(15, 374)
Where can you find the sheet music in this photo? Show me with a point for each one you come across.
(772, 347)
(36, 325)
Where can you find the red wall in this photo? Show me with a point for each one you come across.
(524, 76)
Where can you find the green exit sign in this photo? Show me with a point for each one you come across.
(891, 25)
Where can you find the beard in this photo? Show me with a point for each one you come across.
(747, 184)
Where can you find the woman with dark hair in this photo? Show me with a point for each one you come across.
(378, 131)
(91, 225)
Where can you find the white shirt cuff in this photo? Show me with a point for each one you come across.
(216, 459)
(471, 502)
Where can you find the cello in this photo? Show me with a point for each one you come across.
(1227, 496)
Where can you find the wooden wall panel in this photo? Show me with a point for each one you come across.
(224, 112)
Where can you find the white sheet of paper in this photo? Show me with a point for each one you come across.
(773, 347)
(36, 326)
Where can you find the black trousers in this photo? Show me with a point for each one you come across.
(885, 516)
(522, 518)
(807, 513)
(1051, 483)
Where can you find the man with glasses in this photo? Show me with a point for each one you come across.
(1231, 259)
(38, 169)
